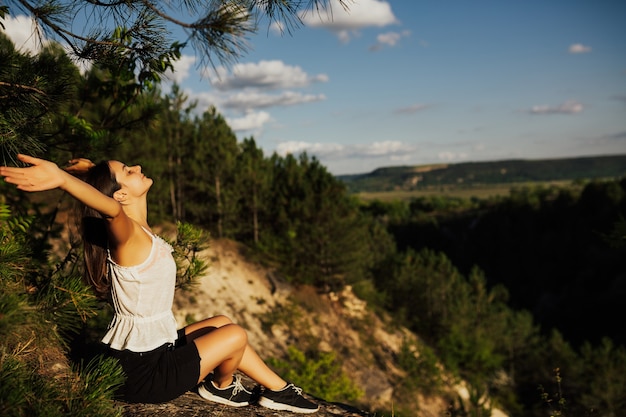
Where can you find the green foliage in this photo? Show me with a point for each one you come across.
(93, 396)
(190, 241)
(438, 204)
(538, 241)
(421, 289)
(416, 258)
(84, 393)
(556, 402)
(469, 174)
(468, 345)
(604, 377)
(32, 88)
(422, 367)
(14, 388)
(366, 290)
(209, 182)
(319, 374)
(38, 306)
(13, 251)
(254, 184)
(475, 407)
(286, 314)
(15, 263)
(616, 238)
(66, 301)
(314, 230)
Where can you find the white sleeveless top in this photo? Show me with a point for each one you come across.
(142, 299)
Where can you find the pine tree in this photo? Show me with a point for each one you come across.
(253, 185)
(32, 89)
(142, 33)
(161, 149)
(211, 158)
(33, 369)
(316, 231)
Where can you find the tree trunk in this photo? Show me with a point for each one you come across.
(220, 215)
(255, 216)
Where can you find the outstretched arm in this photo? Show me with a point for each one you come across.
(44, 175)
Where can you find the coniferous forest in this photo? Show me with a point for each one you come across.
(521, 296)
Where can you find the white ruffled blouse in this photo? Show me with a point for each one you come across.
(142, 299)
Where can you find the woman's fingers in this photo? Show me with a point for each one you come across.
(29, 159)
(40, 175)
(79, 165)
(12, 175)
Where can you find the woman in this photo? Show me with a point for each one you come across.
(134, 268)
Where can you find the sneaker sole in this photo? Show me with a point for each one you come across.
(208, 395)
(273, 405)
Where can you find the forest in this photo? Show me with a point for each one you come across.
(486, 173)
(521, 295)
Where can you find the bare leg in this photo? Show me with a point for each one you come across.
(223, 347)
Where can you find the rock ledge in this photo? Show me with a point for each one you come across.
(192, 405)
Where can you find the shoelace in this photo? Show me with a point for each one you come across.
(238, 386)
(298, 390)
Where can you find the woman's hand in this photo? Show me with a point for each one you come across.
(40, 176)
(79, 166)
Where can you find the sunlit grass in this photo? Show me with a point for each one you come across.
(466, 192)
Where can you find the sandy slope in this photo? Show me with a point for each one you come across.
(365, 343)
(248, 293)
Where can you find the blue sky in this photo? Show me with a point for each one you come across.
(429, 81)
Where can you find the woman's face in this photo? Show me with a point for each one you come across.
(132, 181)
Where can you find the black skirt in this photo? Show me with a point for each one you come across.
(159, 375)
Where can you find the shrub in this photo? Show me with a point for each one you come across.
(319, 374)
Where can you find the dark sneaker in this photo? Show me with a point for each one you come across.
(235, 394)
(288, 399)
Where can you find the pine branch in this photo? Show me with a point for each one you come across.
(20, 86)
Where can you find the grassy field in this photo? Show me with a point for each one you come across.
(479, 191)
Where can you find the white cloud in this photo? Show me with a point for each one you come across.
(181, 69)
(22, 30)
(28, 38)
(579, 48)
(389, 39)
(620, 97)
(204, 99)
(401, 158)
(245, 88)
(452, 156)
(273, 75)
(411, 109)
(619, 136)
(345, 23)
(350, 159)
(251, 121)
(319, 149)
(254, 100)
(383, 149)
(569, 107)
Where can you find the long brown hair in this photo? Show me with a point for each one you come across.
(93, 227)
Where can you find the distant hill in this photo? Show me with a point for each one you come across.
(486, 173)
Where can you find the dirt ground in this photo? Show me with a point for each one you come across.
(192, 405)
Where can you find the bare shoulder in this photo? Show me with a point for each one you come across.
(136, 249)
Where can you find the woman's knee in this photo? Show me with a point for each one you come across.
(238, 334)
(230, 336)
(221, 320)
(225, 344)
(200, 328)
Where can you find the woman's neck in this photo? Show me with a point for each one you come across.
(137, 214)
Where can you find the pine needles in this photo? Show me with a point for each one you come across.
(37, 310)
